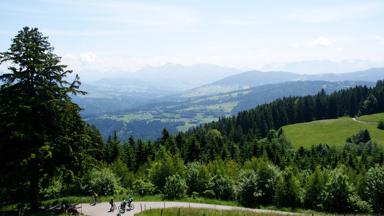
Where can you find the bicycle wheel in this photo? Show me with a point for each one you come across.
(132, 206)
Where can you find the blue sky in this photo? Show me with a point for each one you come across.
(126, 35)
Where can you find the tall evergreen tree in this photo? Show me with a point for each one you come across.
(41, 129)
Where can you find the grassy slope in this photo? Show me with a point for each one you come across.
(333, 131)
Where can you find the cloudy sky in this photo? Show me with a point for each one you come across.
(117, 35)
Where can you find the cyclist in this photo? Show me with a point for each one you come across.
(113, 205)
(130, 200)
(94, 197)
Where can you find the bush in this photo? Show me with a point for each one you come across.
(266, 182)
(288, 190)
(175, 187)
(164, 166)
(380, 125)
(126, 178)
(247, 188)
(339, 195)
(223, 187)
(143, 187)
(54, 188)
(197, 178)
(374, 188)
(336, 192)
(103, 181)
(357, 205)
(314, 187)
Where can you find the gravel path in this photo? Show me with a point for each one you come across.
(102, 209)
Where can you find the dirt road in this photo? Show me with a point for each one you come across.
(102, 209)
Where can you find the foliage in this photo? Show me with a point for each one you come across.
(374, 188)
(222, 187)
(54, 188)
(288, 190)
(339, 194)
(175, 187)
(103, 181)
(41, 129)
(164, 166)
(314, 188)
(247, 186)
(380, 125)
(197, 178)
(143, 187)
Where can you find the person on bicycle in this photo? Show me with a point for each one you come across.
(130, 200)
(123, 204)
(113, 205)
(94, 197)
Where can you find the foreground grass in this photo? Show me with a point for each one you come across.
(197, 212)
(333, 131)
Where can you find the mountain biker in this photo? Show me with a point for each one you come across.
(94, 197)
(113, 205)
(130, 200)
(123, 204)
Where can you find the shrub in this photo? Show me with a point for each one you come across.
(103, 181)
(288, 190)
(266, 182)
(314, 188)
(54, 188)
(164, 166)
(247, 188)
(197, 178)
(339, 195)
(126, 178)
(175, 187)
(380, 125)
(143, 187)
(222, 187)
(336, 192)
(357, 205)
(374, 188)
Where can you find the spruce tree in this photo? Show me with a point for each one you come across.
(41, 129)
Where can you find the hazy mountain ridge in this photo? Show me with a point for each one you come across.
(256, 78)
(147, 85)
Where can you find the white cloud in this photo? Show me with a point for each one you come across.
(88, 57)
(320, 42)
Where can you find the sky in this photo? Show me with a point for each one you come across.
(116, 35)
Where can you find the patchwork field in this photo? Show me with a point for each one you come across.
(333, 131)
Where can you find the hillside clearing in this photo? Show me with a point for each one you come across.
(333, 131)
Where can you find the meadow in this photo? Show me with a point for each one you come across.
(333, 132)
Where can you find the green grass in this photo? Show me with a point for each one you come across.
(197, 212)
(333, 131)
(374, 118)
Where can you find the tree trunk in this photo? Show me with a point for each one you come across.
(34, 191)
